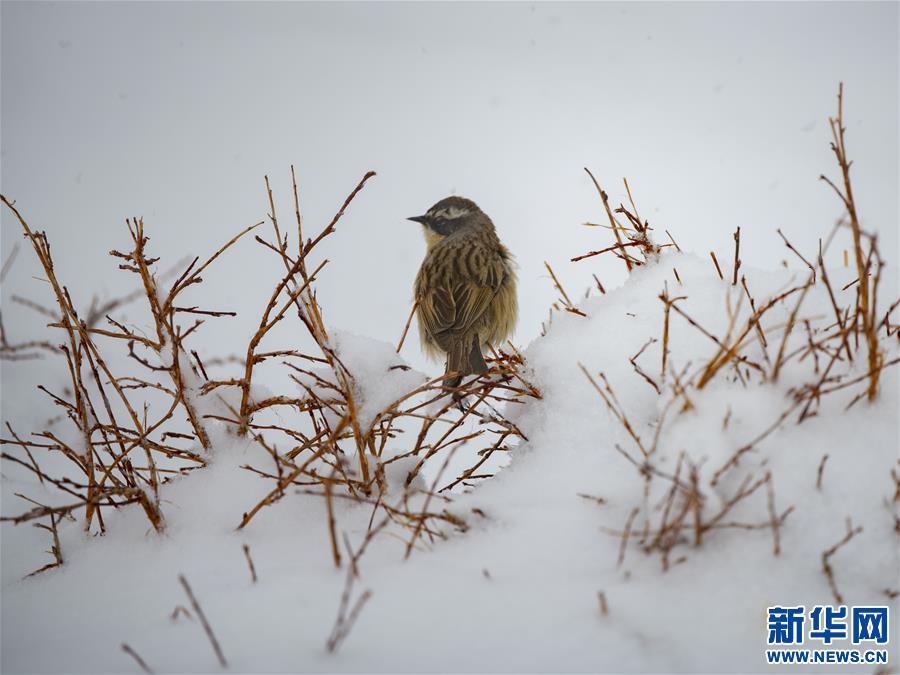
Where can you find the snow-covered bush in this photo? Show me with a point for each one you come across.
(668, 459)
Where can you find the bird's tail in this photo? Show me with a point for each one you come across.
(464, 358)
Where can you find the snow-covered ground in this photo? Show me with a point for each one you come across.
(519, 590)
(716, 112)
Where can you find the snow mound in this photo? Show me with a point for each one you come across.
(583, 511)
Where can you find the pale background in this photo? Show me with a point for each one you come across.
(716, 113)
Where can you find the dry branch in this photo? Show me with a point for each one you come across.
(206, 627)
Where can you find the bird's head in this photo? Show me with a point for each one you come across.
(448, 216)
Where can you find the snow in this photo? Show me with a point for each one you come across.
(202, 99)
(380, 376)
(518, 591)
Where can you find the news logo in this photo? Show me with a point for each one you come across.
(825, 630)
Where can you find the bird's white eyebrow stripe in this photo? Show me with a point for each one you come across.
(449, 213)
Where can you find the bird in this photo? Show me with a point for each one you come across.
(465, 290)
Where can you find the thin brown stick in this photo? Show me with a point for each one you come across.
(773, 516)
(626, 533)
(629, 262)
(332, 535)
(558, 285)
(796, 252)
(409, 319)
(206, 627)
(133, 654)
(827, 569)
(867, 313)
(821, 471)
(604, 607)
(344, 621)
(716, 263)
(250, 563)
(737, 256)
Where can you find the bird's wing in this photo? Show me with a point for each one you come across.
(456, 307)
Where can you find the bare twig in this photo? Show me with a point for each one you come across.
(206, 627)
(250, 563)
(133, 654)
(827, 569)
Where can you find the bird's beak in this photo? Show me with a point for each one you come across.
(419, 219)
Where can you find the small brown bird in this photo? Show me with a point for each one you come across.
(465, 289)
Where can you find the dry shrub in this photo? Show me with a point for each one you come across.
(754, 350)
(138, 430)
(128, 450)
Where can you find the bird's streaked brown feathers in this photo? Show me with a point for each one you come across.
(465, 289)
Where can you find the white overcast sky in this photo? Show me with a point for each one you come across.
(716, 113)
